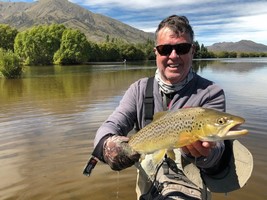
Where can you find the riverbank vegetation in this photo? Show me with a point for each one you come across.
(56, 44)
(10, 66)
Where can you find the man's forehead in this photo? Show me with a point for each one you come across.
(166, 32)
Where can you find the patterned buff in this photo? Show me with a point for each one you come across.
(168, 88)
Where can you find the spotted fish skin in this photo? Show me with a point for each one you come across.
(174, 129)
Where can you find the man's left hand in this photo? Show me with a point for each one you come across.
(198, 149)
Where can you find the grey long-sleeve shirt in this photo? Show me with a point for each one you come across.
(199, 92)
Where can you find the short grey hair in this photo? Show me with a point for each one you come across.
(178, 24)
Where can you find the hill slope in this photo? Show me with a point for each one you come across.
(241, 46)
(22, 15)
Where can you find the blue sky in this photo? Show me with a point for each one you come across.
(212, 20)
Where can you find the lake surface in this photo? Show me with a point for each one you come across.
(48, 120)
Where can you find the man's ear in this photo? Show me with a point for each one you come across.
(155, 50)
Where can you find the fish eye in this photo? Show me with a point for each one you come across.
(222, 120)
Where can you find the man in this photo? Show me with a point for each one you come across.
(175, 86)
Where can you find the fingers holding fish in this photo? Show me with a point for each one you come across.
(118, 154)
(198, 148)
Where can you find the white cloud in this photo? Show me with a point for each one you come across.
(239, 28)
(137, 4)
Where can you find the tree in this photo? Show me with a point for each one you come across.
(109, 52)
(223, 54)
(204, 51)
(74, 48)
(37, 45)
(10, 66)
(232, 54)
(7, 37)
(94, 52)
(130, 52)
(147, 48)
(197, 50)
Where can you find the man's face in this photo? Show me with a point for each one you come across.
(173, 68)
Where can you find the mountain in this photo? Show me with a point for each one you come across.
(241, 46)
(22, 15)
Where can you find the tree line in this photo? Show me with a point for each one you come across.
(56, 44)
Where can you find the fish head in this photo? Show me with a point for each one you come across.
(216, 125)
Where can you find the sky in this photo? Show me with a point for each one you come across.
(212, 20)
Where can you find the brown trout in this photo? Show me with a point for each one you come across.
(173, 129)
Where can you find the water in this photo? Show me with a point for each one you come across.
(48, 120)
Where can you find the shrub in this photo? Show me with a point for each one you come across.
(10, 66)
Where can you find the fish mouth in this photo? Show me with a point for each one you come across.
(232, 132)
(236, 131)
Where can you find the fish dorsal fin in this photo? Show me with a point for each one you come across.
(159, 115)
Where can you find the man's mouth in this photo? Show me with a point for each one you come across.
(173, 66)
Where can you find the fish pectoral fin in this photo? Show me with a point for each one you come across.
(158, 156)
(185, 139)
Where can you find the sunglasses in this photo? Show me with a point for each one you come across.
(180, 49)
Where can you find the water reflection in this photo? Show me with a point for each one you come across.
(49, 117)
(243, 65)
(54, 87)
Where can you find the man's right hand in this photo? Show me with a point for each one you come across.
(118, 154)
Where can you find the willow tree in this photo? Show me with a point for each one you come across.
(131, 52)
(36, 46)
(74, 48)
(10, 66)
(109, 51)
(7, 37)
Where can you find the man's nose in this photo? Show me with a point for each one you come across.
(174, 54)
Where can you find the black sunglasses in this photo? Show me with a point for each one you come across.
(181, 49)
